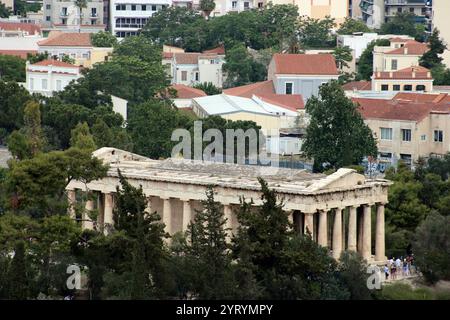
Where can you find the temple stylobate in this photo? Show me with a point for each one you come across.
(336, 209)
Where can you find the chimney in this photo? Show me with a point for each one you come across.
(378, 74)
(406, 50)
(413, 73)
(428, 74)
(390, 74)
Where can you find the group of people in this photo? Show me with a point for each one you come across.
(400, 266)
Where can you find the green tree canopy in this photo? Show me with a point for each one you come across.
(350, 26)
(103, 39)
(12, 68)
(365, 66)
(336, 135)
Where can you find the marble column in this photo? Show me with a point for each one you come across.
(228, 215)
(148, 207)
(167, 215)
(309, 224)
(87, 223)
(71, 197)
(187, 212)
(379, 235)
(108, 209)
(323, 229)
(352, 220)
(367, 233)
(337, 233)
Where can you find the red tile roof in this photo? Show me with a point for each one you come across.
(187, 57)
(313, 64)
(71, 39)
(247, 91)
(16, 26)
(398, 39)
(56, 63)
(357, 85)
(266, 92)
(411, 47)
(18, 53)
(218, 50)
(398, 110)
(422, 97)
(185, 92)
(167, 55)
(416, 72)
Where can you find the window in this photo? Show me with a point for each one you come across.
(411, 10)
(407, 87)
(423, 137)
(424, 11)
(260, 4)
(48, 7)
(58, 85)
(47, 18)
(93, 12)
(288, 86)
(133, 7)
(143, 7)
(386, 133)
(420, 87)
(394, 64)
(384, 87)
(406, 134)
(64, 11)
(44, 84)
(183, 75)
(234, 4)
(246, 5)
(406, 159)
(399, 10)
(153, 8)
(197, 76)
(386, 155)
(396, 87)
(438, 136)
(31, 83)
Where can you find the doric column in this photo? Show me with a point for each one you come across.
(367, 232)
(309, 223)
(167, 215)
(351, 243)
(290, 214)
(71, 197)
(187, 212)
(379, 236)
(323, 229)
(148, 207)
(337, 233)
(228, 215)
(108, 209)
(87, 222)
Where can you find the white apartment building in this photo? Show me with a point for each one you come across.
(190, 68)
(225, 6)
(64, 14)
(441, 21)
(48, 76)
(127, 17)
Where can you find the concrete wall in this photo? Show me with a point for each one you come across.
(307, 86)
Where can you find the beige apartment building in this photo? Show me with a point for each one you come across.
(409, 126)
(441, 21)
(402, 53)
(8, 3)
(319, 9)
(409, 79)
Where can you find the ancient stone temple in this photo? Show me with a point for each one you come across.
(336, 209)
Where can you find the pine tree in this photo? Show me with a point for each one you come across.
(145, 233)
(207, 235)
(80, 137)
(432, 58)
(17, 274)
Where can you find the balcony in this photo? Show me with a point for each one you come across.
(63, 14)
(405, 2)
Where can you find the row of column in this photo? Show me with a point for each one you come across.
(356, 241)
(363, 244)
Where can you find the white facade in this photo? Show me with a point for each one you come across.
(283, 145)
(225, 6)
(127, 17)
(46, 79)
